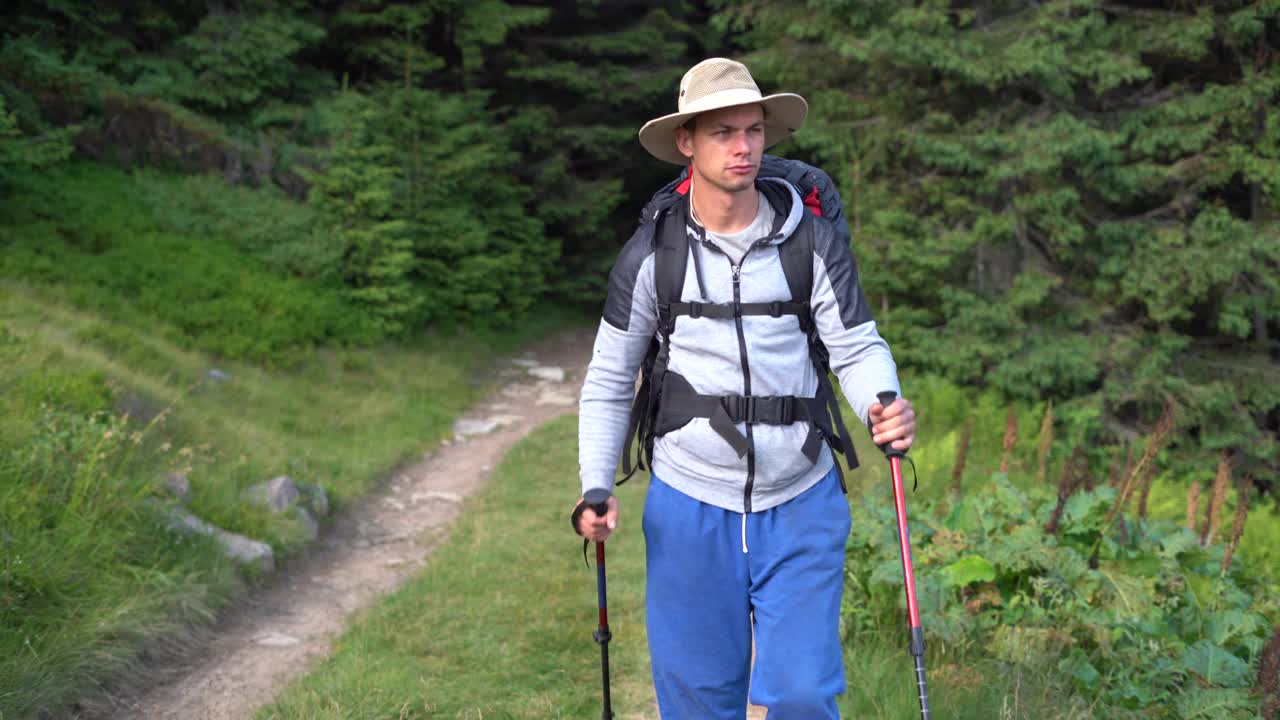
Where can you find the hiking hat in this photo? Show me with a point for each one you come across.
(720, 83)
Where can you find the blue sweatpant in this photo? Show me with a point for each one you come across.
(703, 590)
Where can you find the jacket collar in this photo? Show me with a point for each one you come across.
(787, 206)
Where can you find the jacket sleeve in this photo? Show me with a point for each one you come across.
(860, 358)
(628, 324)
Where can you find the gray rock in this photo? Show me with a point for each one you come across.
(548, 372)
(518, 391)
(314, 498)
(237, 547)
(551, 397)
(524, 362)
(272, 638)
(308, 521)
(481, 426)
(435, 495)
(217, 375)
(277, 494)
(178, 487)
(247, 551)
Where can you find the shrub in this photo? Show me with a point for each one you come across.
(1152, 622)
(87, 232)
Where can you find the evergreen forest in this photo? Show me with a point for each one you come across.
(1065, 214)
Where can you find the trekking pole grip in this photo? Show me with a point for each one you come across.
(886, 398)
(598, 500)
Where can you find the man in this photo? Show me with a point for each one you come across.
(745, 523)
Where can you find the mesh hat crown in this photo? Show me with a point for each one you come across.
(718, 83)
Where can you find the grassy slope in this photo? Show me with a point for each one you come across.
(499, 625)
(88, 576)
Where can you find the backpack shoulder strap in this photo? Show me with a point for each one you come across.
(671, 257)
(796, 254)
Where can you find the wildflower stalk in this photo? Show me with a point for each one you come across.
(1010, 438)
(1193, 504)
(1044, 442)
(1159, 435)
(1237, 523)
(1213, 514)
(1144, 492)
(1066, 487)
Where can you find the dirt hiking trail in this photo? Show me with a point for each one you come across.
(281, 629)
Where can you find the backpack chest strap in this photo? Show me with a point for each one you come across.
(728, 311)
(680, 403)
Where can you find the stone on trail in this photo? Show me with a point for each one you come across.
(236, 547)
(435, 495)
(314, 498)
(217, 375)
(310, 525)
(482, 426)
(552, 397)
(271, 638)
(524, 362)
(277, 494)
(549, 373)
(518, 391)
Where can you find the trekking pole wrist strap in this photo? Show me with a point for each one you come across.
(596, 499)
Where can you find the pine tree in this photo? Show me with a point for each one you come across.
(1065, 200)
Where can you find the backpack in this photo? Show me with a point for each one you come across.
(666, 401)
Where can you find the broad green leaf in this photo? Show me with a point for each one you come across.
(1077, 665)
(970, 569)
(1215, 665)
(1215, 704)
(1230, 623)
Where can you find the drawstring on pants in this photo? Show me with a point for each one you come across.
(744, 533)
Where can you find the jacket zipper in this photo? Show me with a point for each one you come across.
(746, 382)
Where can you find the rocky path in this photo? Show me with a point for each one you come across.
(284, 627)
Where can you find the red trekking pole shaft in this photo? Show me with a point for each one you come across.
(602, 634)
(916, 646)
(598, 502)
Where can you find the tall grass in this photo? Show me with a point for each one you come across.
(119, 297)
(88, 577)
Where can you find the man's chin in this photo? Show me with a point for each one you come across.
(740, 183)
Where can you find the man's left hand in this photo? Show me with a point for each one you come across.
(895, 424)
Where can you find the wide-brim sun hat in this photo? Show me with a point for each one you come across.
(718, 83)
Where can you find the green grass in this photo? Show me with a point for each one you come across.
(499, 624)
(88, 576)
(119, 292)
(228, 271)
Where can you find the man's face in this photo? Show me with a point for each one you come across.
(725, 146)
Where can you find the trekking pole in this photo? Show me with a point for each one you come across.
(598, 500)
(916, 646)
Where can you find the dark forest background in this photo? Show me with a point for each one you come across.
(1070, 200)
(1064, 214)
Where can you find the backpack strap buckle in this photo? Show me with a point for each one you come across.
(775, 309)
(786, 410)
(695, 310)
(666, 320)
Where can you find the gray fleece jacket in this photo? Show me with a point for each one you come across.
(773, 358)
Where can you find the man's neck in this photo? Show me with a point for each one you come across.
(720, 211)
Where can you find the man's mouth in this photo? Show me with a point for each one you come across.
(742, 169)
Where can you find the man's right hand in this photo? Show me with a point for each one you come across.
(598, 527)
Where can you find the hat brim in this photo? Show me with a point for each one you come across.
(784, 113)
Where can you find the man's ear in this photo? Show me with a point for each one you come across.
(684, 142)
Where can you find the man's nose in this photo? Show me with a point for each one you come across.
(741, 146)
